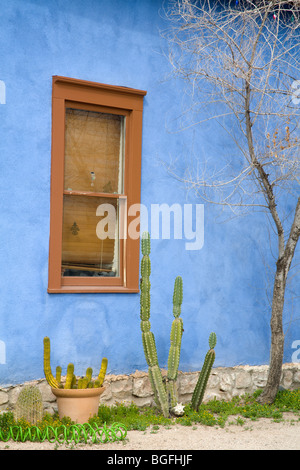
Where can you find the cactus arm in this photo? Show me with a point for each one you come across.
(154, 371)
(175, 347)
(160, 390)
(101, 375)
(89, 373)
(200, 387)
(177, 297)
(174, 353)
(87, 380)
(74, 381)
(83, 382)
(80, 383)
(202, 380)
(58, 374)
(150, 348)
(69, 377)
(173, 360)
(212, 340)
(145, 242)
(47, 367)
(156, 398)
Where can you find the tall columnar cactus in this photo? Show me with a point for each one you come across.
(29, 405)
(165, 396)
(204, 374)
(71, 380)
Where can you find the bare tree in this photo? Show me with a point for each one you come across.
(240, 59)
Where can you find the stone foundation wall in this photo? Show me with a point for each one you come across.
(224, 383)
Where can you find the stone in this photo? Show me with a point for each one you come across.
(243, 380)
(142, 387)
(214, 380)
(139, 374)
(146, 401)
(297, 377)
(226, 382)
(50, 409)
(287, 379)
(13, 394)
(120, 389)
(187, 382)
(45, 390)
(3, 398)
(259, 377)
(107, 394)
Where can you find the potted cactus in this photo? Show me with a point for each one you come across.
(77, 398)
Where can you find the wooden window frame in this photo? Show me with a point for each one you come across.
(105, 98)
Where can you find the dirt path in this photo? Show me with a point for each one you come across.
(263, 434)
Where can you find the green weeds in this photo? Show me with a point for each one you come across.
(213, 413)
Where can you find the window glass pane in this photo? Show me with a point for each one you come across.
(90, 245)
(94, 151)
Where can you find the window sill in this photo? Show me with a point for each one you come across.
(91, 289)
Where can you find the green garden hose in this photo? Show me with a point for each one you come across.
(66, 434)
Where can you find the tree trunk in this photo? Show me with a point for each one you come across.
(277, 337)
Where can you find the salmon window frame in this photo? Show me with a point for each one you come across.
(67, 222)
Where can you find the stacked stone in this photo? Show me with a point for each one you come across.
(224, 383)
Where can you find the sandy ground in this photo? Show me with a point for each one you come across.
(263, 434)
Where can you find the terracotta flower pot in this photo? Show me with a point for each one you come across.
(78, 404)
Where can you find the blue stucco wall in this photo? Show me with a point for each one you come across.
(116, 42)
